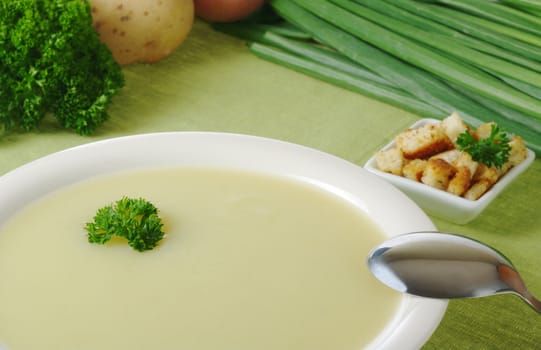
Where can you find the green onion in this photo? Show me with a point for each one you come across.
(379, 49)
(415, 81)
(485, 62)
(467, 25)
(426, 24)
(326, 65)
(267, 34)
(495, 27)
(495, 12)
(445, 44)
(533, 7)
(286, 29)
(336, 77)
(524, 87)
(473, 79)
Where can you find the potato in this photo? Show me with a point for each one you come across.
(226, 10)
(142, 30)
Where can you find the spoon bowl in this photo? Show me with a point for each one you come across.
(447, 266)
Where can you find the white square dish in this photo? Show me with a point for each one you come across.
(443, 204)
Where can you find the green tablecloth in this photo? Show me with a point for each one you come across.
(212, 83)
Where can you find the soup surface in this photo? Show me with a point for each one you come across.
(249, 261)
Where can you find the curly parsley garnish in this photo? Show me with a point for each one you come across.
(136, 220)
(491, 151)
(52, 62)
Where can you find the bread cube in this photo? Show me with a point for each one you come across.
(390, 161)
(453, 126)
(424, 141)
(460, 183)
(478, 189)
(517, 154)
(485, 177)
(414, 169)
(450, 156)
(429, 154)
(483, 131)
(438, 173)
(486, 173)
(465, 160)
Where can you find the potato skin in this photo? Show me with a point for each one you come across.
(142, 30)
(226, 10)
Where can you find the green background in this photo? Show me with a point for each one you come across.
(212, 83)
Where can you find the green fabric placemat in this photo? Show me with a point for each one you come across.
(212, 83)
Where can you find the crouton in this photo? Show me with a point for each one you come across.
(465, 159)
(517, 154)
(483, 131)
(485, 177)
(424, 141)
(460, 183)
(438, 173)
(414, 169)
(458, 159)
(518, 151)
(450, 156)
(485, 173)
(453, 126)
(429, 155)
(478, 189)
(390, 161)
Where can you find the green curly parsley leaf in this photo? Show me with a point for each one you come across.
(52, 62)
(136, 220)
(491, 151)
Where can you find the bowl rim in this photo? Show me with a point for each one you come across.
(416, 318)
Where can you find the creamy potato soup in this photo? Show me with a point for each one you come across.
(249, 261)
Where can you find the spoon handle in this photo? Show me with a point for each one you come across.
(513, 280)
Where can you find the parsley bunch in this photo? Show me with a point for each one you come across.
(136, 220)
(52, 62)
(491, 151)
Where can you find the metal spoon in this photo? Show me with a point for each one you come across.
(442, 265)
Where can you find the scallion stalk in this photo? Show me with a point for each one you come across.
(473, 79)
(450, 46)
(532, 7)
(495, 12)
(379, 49)
(450, 18)
(381, 92)
(415, 81)
(429, 25)
(269, 35)
(495, 27)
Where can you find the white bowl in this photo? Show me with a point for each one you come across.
(415, 319)
(443, 204)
